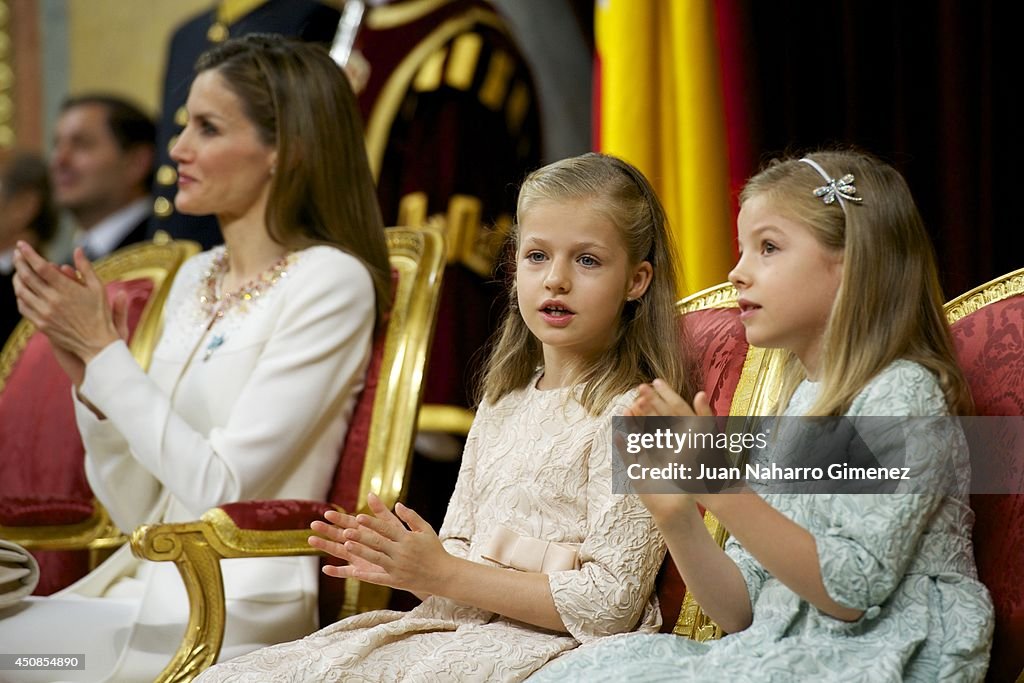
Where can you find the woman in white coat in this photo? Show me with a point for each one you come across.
(264, 349)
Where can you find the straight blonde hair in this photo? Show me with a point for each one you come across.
(639, 352)
(889, 303)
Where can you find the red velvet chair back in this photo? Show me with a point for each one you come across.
(37, 387)
(376, 454)
(988, 333)
(710, 322)
(717, 335)
(345, 488)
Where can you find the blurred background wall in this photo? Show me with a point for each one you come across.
(929, 87)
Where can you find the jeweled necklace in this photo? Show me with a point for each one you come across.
(215, 304)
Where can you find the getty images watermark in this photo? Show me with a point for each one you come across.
(818, 455)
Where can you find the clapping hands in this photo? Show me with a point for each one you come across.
(397, 549)
(658, 399)
(68, 305)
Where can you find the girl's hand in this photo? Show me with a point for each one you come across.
(658, 399)
(669, 509)
(381, 550)
(331, 540)
(71, 311)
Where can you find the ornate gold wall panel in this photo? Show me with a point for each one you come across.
(6, 79)
(121, 47)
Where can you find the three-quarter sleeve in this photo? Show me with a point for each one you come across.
(456, 531)
(870, 540)
(754, 575)
(312, 362)
(619, 558)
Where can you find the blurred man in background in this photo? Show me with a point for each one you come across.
(101, 167)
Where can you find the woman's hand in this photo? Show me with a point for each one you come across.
(69, 307)
(380, 549)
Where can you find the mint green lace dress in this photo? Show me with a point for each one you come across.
(905, 559)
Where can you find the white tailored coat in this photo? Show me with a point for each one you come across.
(252, 406)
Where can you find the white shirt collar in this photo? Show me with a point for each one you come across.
(103, 237)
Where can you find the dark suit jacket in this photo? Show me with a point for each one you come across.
(139, 233)
(9, 315)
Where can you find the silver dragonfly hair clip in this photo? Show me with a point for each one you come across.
(842, 188)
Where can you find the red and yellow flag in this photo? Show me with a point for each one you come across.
(659, 105)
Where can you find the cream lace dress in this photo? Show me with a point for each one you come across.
(534, 463)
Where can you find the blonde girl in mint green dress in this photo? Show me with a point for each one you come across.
(836, 268)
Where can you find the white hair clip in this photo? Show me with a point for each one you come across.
(835, 189)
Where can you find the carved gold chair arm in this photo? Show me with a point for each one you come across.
(196, 548)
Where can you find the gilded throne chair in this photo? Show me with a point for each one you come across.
(375, 458)
(988, 334)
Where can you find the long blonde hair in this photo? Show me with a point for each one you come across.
(889, 303)
(639, 352)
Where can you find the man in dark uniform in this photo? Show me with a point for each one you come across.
(304, 19)
(452, 127)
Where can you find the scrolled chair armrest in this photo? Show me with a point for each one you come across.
(257, 528)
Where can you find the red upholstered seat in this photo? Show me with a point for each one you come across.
(988, 332)
(43, 510)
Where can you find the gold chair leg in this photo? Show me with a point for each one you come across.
(199, 566)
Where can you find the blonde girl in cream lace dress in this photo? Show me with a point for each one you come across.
(536, 553)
